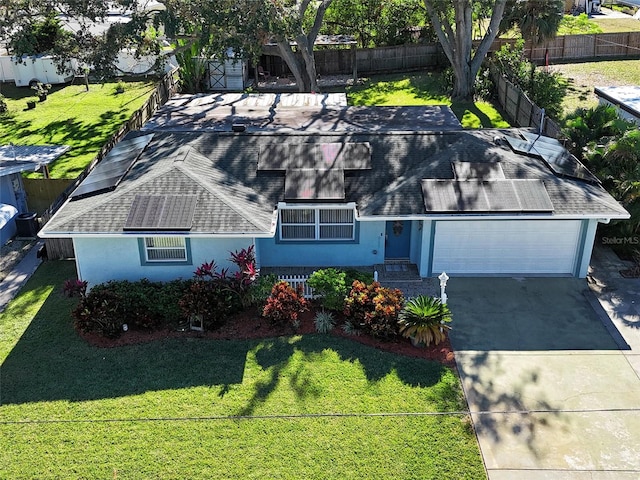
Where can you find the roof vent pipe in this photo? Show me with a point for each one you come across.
(541, 121)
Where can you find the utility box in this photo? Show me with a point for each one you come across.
(27, 224)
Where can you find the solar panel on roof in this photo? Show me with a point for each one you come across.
(501, 196)
(564, 164)
(519, 145)
(558, 159)
(533, 196)
(485, 196)
(161, 212)
(303, 155)
(314, 184)
(439, 196)
(315, 170)
(454, 196)
(329, 153)
(107, 174)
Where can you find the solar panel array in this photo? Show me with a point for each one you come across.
(315, 170)
(557, 158)
(441, 196)
(108, 174)
(303, 183)
(161, 212)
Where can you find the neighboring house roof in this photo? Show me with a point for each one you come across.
(230, 190)
(28, 158)
(626, 97)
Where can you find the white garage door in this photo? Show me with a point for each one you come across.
(506, 247)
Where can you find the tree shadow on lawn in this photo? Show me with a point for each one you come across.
(274, 356)
(469, 108)
(51, 362)
(426, 87)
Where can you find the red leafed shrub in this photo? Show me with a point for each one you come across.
(374, 308)
(284, 304)
(73, 287)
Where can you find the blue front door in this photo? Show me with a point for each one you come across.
(398, 239)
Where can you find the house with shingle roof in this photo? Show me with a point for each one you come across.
(324, 184)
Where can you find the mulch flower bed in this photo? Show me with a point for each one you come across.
(249, 325)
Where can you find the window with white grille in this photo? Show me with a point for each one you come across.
(165, 249)
(317, 224)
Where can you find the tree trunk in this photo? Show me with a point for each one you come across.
(287, 54)
(464, 82)
(311, 82)
(302, 67)
(457, 42)
(303, 64)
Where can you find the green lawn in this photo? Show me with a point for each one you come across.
(70, 116)
(583, 77)
(423, 89)
(617, 25)
(312, 406)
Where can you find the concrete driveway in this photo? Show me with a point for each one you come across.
(551, 394)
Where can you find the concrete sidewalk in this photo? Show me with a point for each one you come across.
(619, 297)
(13, 282)
(551, 394)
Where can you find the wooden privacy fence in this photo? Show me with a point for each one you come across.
(42, 192)
(401, 57)
(368, 60)
(63, 247)
(520, 109)
(417, 56)
(580, 47)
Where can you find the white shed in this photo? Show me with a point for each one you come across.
(232, 75)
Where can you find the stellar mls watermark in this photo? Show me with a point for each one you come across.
(633, 240)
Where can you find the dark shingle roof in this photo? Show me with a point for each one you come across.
(233, 196)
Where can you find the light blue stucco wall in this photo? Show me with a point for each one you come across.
(426, 245)
(102, 259)
(318, 254)
(6, 191)
(589, 228)
(415, 249)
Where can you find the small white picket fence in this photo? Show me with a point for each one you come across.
(299, 280)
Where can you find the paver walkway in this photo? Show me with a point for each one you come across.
(13, 282)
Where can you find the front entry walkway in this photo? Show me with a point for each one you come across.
(550, 393)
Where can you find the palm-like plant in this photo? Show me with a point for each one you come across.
(424, 320)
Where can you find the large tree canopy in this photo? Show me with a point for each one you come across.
(378, 23)
(453, 22)
(211, 25)
(538, 20)
(22, 21)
